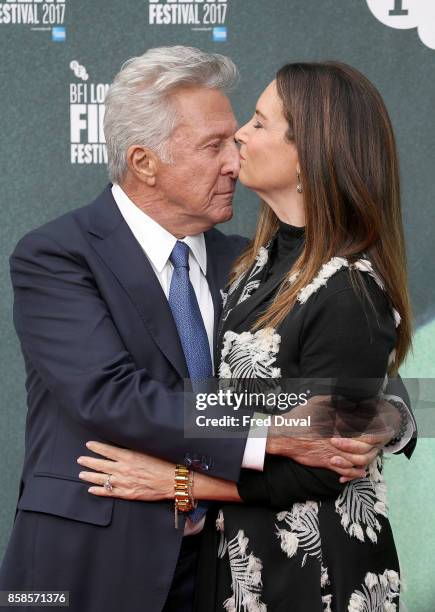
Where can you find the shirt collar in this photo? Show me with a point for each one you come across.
(154, 239)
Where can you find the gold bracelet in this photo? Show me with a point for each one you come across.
(182, 492)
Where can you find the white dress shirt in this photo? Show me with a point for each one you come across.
(157, 244)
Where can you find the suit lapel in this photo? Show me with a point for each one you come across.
(114, 242)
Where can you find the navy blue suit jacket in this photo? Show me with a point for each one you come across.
(104, 362)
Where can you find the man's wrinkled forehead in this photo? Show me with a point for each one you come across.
(205, 111)
(207, 126)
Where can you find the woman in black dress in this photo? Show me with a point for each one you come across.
(320, 293)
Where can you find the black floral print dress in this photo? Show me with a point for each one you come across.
(301, 541)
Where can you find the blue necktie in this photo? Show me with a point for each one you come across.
(191, 330)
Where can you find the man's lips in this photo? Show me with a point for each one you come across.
(226, 193)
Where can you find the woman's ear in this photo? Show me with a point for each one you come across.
(142, 162)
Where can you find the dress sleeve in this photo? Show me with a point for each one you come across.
(343, 337)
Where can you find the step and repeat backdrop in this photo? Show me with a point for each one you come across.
(57, 59)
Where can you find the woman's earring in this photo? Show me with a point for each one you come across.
(299, 186)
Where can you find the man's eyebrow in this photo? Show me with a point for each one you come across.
(218, 135)
(258, 112)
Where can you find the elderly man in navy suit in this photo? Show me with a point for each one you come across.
(107, 341)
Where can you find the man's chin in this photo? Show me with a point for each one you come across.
(224, 214)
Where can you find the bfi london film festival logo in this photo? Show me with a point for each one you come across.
(201, 15)
(407, 14)
(43, 15)
(88, 145)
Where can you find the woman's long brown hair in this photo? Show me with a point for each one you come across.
(350, 179)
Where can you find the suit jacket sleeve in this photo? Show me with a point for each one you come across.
(67, 333)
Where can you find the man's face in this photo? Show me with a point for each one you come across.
(200, 181)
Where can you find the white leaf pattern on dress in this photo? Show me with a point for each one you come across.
(302, 531)
(376, 594)
(223, 544)
(324, 579)
(246, 577)
(365, 265)
(326, 271)
(236, 283)
(248, 289)
(329, 269)
(361, 501)
(327, 600)
(251, 285)
(397, 318)
(224, 297)
(260, 259)
(250, 355)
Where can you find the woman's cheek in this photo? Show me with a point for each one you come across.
(252, 155)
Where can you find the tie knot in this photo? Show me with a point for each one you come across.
(180, 255)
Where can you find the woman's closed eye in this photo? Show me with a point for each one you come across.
(257, 125)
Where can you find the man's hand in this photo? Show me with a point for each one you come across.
(335, 441)
(349, 457)
(354, 450)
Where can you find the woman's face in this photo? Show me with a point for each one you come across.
(268, 163)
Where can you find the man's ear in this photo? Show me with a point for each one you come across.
(143, 163)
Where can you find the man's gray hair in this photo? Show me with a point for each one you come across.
(139, 110)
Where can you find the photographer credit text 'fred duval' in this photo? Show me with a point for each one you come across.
(264, 402)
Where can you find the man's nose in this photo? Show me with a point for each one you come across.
(231, 164)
